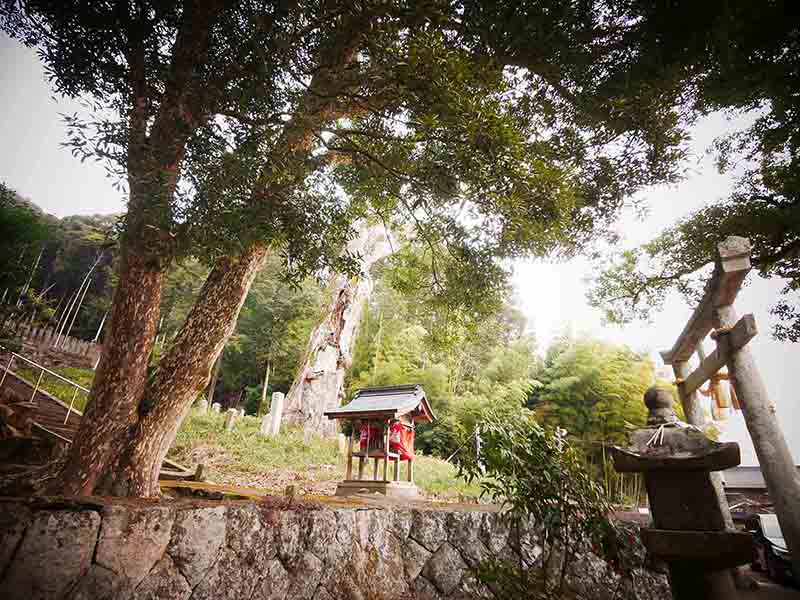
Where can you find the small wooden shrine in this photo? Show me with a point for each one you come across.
(382, 429)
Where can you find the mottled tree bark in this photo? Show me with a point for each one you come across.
(319, 383)
(183, 372)
(128, 429)
(155, 150)
(120, 377)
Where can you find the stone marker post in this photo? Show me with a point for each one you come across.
(689, 531)
(201, 406)
(276, 413)
(231, 416)
(216, 408)
(266, 425)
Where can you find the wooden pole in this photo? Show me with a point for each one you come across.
(84, 287)
(30, 279)
(777, 465)
(77, 309)
(100, 328)
(386, 452)
(726, 281)
(361, 458)
(64, 316)
(696, 416)
(349, 473)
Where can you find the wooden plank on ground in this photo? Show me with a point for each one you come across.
(235, 490)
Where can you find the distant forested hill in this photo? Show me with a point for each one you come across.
(45, 261)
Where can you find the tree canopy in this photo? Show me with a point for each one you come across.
(746, 61)
(484, 130)
(481, 363)
(500, 136)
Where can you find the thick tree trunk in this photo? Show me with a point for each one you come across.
(120, 378)
(184, 371)
(319, 383)
(155, 150)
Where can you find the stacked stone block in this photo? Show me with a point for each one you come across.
(231, 550)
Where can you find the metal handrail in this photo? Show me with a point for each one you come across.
(44, 370)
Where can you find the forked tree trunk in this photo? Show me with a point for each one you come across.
(120, 378)
(183, 372)
(155, 150)
(319, 383)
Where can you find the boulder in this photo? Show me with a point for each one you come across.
(445, 568)
(305, 574)
(414, 558)
(197, 537)
(164, 582)
(132, 540)
(55, 551)
(14, 519)
(463, 530)
(100, 583)
(275, 583)
(428, 528)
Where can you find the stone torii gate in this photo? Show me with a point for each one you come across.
(716, 315)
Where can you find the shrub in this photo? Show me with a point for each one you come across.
(539, 479)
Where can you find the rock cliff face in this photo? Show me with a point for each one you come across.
(92, 549)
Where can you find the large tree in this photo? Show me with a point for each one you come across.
(271, 334)
(244, 128)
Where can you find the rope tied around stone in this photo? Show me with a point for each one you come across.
(657, 438)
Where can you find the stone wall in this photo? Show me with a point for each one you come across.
(51, 549)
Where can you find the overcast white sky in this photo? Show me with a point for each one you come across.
(33, 162)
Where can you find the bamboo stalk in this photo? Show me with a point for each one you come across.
(83, 296)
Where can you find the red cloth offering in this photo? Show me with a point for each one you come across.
(401, 440)
(374, 435)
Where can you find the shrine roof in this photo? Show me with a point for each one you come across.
(386, 402)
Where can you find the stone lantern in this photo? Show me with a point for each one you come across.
(688, 529)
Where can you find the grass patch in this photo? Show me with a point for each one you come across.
(247, 451)
(242, 457)
(439, 478)
(60, 389)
